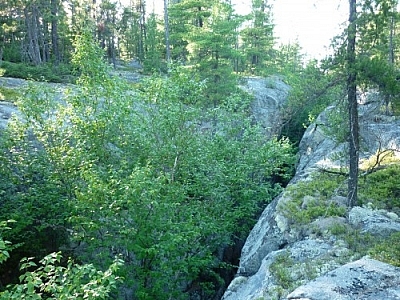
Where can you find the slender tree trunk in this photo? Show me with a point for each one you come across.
(352, 106)
(54, 31)
(166, 28)
(390, 57)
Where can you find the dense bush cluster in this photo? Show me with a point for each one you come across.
(145, 173)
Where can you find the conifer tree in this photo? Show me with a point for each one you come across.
(258, 39)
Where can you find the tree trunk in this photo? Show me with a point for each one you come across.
(166, 28)
(33, 33)
(54, 31)
(352, 106)
(390, 57)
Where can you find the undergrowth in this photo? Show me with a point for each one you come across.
(382, 189)
(312, 199)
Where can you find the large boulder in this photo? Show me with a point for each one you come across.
(270, 95)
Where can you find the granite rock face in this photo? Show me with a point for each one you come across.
(280, 256)
(270, 95)
(365, 279)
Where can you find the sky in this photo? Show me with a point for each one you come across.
(313, 23)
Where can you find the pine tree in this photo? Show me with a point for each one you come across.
(258, 39)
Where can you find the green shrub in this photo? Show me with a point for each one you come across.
(45, 72)
(137, 175)
(280, 270)
(381, 188)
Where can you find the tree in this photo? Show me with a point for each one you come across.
(166, 30)
(354, 147)
(204, 35)
(257, 38)
(377, 47)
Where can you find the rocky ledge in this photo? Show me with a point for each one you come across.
(320, 258)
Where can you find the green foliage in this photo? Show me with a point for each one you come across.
(258, 40)
(205, 33)
(7, 94)
(44, 72)
(148, 173)
(312, 90)
(337, 115)
(377, 72)
(280, 270)
(49, 280)
(289, 273)
(388, 250)
(5, 246)
(154, 54)
(311, 199)
(381, 188)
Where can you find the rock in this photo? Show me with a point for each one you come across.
(316, 149)
(270, 96)
(275, 233)
(323, 225)
(7, 109)
(13, 82)
(377, 223)
(294, 261)
(365, 279)
(256, 248)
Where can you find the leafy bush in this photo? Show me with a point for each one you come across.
(52, 281)
(148, 173)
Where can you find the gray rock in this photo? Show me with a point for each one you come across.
(375, 222)
(270, 96)
(256, 248)
(252, 287)
(7, 109)
(13, 82)
(264, 284)
(365, 279)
